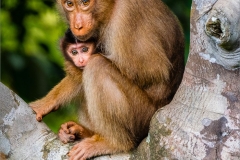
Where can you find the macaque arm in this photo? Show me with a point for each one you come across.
(61, 94)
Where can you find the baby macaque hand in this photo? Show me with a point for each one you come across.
(42, 108)
(68, 132)
(71, 131)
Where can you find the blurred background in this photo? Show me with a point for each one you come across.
(31, 62)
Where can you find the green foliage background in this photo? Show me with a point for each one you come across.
(31, 63)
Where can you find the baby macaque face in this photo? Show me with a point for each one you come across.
(80, 53)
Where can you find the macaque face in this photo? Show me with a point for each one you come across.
(80, 17)
(80, 53)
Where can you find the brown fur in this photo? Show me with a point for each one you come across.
(2, 156)
(139, 71)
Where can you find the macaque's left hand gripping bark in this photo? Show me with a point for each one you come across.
(61, 94)
(42, 107)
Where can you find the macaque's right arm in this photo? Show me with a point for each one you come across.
(62, 93)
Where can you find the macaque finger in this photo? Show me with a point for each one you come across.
(39, 117)
(65, 138)
(69, 127)
(77, 152)
(64, 127)
(71, 123)
(37, 111)
(74, 130)
(71, 152)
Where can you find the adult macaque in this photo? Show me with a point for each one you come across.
(139, 71)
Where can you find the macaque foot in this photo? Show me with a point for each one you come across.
(90, 147)
(71, 131)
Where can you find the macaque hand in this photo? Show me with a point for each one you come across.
(41, 108)
(71, 131)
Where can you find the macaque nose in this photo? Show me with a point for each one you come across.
(78, 26)
(81, 60)
(78, 22)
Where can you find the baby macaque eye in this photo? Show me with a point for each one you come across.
(74, 52)
(84, 49)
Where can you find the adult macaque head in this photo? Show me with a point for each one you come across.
(82, 22)
(76, 51)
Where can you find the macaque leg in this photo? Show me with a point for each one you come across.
(62, 93)
(119, 111)
(71, 131)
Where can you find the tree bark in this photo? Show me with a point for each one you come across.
(21, 136)
(202, 121)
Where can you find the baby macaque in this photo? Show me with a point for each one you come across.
(77, 54)
(76, 51)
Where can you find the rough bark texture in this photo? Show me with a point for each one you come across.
(202, 121)
(21, 136)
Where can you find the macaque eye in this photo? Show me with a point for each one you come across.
(74, 52)
(69, 3)
(84, 49)
(85, 2)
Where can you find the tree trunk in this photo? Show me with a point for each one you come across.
(202, 121)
